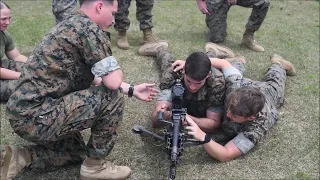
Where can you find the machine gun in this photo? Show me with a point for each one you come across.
(175, 135)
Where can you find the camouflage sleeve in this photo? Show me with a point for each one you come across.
(233, 82)
(216, 91)
(105, 66)
(95, 44)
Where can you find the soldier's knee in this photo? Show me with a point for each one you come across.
(26, 132)
(216, 36)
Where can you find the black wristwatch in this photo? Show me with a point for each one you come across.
(130, 91)
(207, 139)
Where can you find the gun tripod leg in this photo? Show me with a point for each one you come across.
(141, 130)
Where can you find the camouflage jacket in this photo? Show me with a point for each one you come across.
(247, 135)
(60, 64)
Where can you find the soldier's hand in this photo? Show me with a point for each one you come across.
(166, 111)
(203, 7)
(232, 2)
(178, 65)
(145, 92)
(194, 130)
(97, 81)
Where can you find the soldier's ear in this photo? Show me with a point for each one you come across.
(209, 74)
(99, 7)
(252, 118)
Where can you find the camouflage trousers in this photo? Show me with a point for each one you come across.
(274, 81)
(217, 20)
(62, 9)
(7, 86)
(164, 60)
(57, 133)
(144, 14)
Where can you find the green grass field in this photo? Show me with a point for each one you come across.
(291, 29)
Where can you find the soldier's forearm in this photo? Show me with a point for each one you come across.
(220, 63)
(22, 58)
(206, 124)
(9, 74)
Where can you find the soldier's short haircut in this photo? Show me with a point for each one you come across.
(246, 101)
(197, 66)
(90, 1)
(3, 5)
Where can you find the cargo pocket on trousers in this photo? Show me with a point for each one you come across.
(44, 127)
(44, 119)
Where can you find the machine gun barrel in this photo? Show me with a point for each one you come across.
(172, 172)
(175, 137)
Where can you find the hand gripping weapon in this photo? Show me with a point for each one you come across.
(175, 135)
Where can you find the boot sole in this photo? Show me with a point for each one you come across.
(124, 48)
(144, 42)
(6, 161)
(223, 48)
(85, 178)
(248, 47)
(282, 61)
(148, 53)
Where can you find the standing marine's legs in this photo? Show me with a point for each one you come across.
(144, 16)
(217, 21)
(122, 23)
(258, 14)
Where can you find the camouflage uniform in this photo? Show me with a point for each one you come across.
(217, 20)
(209, 97)
(62, 9)
(7, 86)
(246, 135)
(144, 14)
(54, 100)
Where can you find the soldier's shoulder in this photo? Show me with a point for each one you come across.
(78, 22)
(216, 79)
(216, 72)
(268, 113)
(6, 33)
